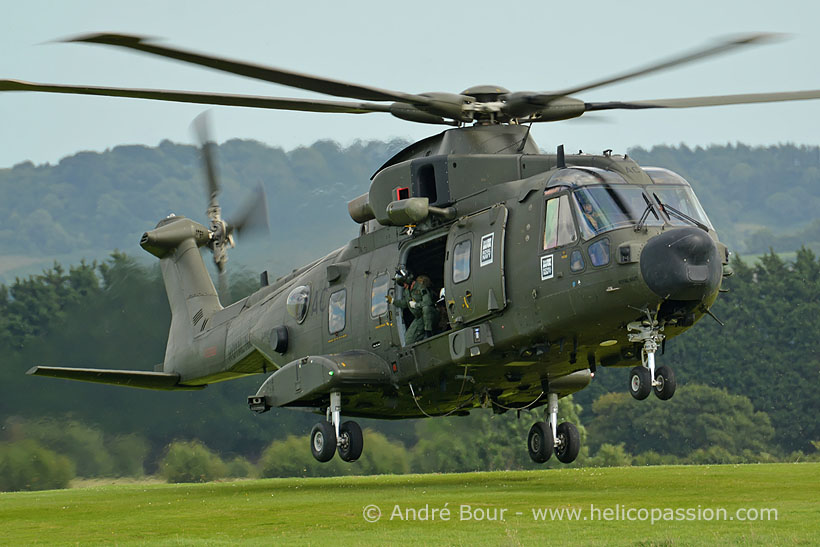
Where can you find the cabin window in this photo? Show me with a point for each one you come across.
(599, 252)
(378, 295)
(297, 303)
(336, 311)
(559, 228)
(461, 260)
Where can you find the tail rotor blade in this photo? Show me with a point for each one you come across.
(252, 217)
(224, 287)
(201, 129)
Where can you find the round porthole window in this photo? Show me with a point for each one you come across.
(297, 303)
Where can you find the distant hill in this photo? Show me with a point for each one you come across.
(92, 203)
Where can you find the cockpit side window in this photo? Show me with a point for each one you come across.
(559, 228)
(606, 207)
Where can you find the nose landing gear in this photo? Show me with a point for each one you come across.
(645, 378)
(331, 435)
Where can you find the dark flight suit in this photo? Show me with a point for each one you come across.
(424, 313)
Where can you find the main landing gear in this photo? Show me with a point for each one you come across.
(329, 436)
(548, 436)
(645, 377)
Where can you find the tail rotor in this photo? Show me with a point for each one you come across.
(252, 217)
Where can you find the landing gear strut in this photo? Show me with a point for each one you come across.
(645, 378)
(331, 435)
(548, 436)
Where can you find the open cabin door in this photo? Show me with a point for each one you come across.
(474, 266)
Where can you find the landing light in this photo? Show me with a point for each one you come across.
(607, 343)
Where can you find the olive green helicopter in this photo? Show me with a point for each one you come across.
(484, 273)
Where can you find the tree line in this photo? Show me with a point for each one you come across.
(748, 390)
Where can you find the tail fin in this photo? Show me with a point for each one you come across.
(191, 293)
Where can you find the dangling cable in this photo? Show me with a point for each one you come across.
(496, 403)
(461, 391)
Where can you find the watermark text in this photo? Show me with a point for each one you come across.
(593, 513)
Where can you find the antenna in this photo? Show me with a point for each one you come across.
(562, 163)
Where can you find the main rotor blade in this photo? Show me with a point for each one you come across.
(696, 55)
(717, 100)
(289, 78)
(250, 101)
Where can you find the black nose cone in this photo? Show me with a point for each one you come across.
(681, 264)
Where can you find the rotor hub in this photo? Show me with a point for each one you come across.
(486, 93)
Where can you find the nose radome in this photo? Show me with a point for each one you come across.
(681, 264)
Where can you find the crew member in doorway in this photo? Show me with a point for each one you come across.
(419, 301)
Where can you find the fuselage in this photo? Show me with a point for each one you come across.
(545, 263)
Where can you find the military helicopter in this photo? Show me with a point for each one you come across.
(548, 265)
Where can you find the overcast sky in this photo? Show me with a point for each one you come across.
(414, 47)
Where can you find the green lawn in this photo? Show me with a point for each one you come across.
(330, 511)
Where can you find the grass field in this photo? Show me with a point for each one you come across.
(331, 511)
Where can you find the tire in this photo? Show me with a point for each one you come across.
(540, 443)
(323, 441)
(640, 382)
(351, 441)
(666, 388)
(568, 442)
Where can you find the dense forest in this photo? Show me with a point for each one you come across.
(748, 390)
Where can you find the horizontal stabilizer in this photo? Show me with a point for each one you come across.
(127, 378)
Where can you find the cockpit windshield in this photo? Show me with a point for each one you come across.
(606, 207)
(675, 193)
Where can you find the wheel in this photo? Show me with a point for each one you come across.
(666, 383)
(640, 382)
(568, 442)
(323, 441)
(351, 441)
(539, 442)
